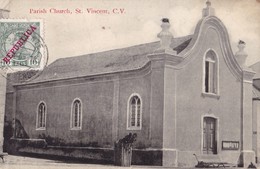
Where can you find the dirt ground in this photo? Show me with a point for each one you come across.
(19, 162)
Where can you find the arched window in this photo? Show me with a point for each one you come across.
(134, 120)
(76, 114)
(211, 73)
(41, 116)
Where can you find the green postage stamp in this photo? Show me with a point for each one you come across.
(21, 45)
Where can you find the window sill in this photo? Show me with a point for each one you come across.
(212, 95)
(75, 128)
(41, 128)
(134, 128)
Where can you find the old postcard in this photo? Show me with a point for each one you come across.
(129, 83)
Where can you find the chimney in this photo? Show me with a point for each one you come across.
(4, 14)
(241, 55)
(165, 35)
(208, 11)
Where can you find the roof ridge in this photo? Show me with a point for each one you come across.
(123, 48)
(110, 50)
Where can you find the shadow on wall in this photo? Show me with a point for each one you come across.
(55, 141)
(9, 131)
(19, 130)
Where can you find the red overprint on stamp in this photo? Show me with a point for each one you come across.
(19, 44)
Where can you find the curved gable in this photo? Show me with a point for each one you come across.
(203, 26)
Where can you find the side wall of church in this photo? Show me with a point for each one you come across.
(96, 98)
(104, 110)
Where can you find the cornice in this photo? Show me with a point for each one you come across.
(248, 75)
(168, 58)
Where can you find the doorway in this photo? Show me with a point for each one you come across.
(209, 136)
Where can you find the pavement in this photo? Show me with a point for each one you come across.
(21, 162)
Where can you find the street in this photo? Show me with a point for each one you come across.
(19, 162)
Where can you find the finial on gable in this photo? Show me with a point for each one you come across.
(165, 35)
(208, 3)
(208, 11)
(241, 55)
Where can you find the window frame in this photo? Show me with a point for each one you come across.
(72, 127)
(37, 116)
(128, 124)
(215, 93)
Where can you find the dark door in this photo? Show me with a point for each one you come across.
(209, 136)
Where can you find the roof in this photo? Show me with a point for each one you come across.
(19, 77)
(256, 68)
(256, 83)
(117, 60)
(256, 93)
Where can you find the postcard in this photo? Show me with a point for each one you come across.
(129, 83)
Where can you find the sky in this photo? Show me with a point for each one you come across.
(76, 34)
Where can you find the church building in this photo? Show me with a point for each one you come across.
(181, 96)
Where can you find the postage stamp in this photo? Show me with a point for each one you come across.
(22, 46)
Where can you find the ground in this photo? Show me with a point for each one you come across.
(19, 162)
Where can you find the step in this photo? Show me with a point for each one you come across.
(209, 158)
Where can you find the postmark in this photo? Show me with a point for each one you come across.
(22, 47)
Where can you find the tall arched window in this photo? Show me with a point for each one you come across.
(211, 73)
(41, 116)
(76, 114)
(134, 120)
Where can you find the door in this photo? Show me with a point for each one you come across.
(209, 136)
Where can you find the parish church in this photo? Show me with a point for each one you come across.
(180, 95)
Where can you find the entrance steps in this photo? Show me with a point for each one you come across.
(210, 158)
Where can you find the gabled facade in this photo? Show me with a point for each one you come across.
(182, 96)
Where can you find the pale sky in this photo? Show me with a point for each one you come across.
(74, 34)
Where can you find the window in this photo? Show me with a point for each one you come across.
(76, 114)
(211, 73)
(41, 116)
(134, 121)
